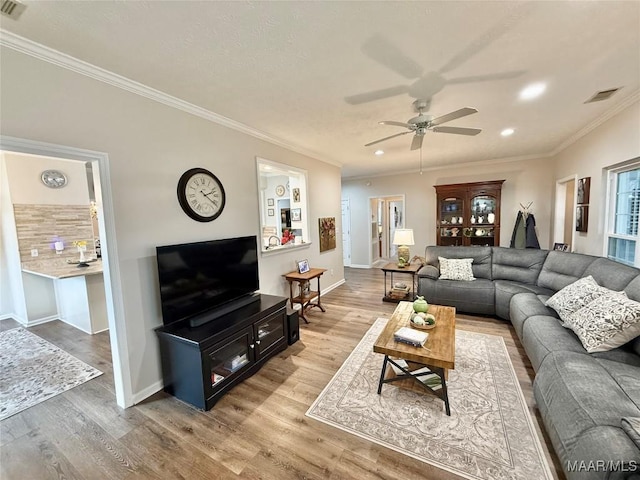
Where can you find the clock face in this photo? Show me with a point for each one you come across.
(53, 178)
(201, 194)
(280, 190)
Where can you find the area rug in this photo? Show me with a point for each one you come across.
(33, 370)
(489, 434)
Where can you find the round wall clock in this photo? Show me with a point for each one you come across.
(201, 194)
(280, 190)
(53, 178)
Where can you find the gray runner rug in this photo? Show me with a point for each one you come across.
(32, 370)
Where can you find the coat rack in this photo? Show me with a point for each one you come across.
(525, 210)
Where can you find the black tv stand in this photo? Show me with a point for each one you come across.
(200, 364)
(214, 313)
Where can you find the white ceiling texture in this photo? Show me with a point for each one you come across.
(320, 75)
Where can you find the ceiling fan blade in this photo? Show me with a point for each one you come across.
(383, 51)
(416, 143)
(458, 130)
(376, 95)
(387, 138)
(463, 112)
(489, 77)
(397, 124)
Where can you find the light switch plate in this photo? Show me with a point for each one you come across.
(34, 252)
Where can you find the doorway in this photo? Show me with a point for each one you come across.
(106, 224)
(564, 214)
(387, 214)
(346, 232)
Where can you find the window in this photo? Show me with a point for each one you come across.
(622, 242)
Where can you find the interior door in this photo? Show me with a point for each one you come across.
(395, 220)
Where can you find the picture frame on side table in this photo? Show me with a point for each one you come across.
(303, 266)
(561, 247)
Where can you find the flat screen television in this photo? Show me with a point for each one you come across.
(199, 281)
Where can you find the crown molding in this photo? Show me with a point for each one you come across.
(47, 54)
(612, 112)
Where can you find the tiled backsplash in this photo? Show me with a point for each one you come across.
(39, 226)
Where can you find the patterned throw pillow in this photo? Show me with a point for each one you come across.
(575, 296)
(456, 269)
(606, 323)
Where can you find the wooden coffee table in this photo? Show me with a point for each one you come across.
(424, 366)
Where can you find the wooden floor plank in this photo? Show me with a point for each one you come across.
(256, 431)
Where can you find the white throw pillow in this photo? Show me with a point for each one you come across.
(456, 269)
(575, 296)
(606, 323)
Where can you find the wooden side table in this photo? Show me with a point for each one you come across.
(411, 269)
(305, 294)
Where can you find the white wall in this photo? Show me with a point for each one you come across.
(149, 146)
(613, 142)
(526, 181)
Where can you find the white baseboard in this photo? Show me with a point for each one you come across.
(147, 392)
(40, 321)
(353, 265)
(331, 287)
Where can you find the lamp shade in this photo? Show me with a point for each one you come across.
(403, 236)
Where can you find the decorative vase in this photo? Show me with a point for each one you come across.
(491, 217)
(420, 304)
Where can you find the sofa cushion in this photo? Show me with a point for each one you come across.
(456, 269)
(560, 269)
(475, 297)
(575, 296)
(607, 322)
(429, 271)
(575, 395)
(525, 305)
(518, 265)
(633, 289)
(631, 426)
(506, 289)
(610, 274)
(481, 257)
(543, 335)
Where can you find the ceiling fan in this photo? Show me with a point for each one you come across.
(420, 124)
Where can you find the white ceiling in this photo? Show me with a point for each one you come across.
(287, 68)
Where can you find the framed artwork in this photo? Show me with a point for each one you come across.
(303, 266)
(271, 212)
(296, 195)
(269, 202)
(561, 247)
(582, 218)
(584, 187)
(296, 214)
(327, 233)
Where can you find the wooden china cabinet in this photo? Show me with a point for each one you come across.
(468, 213)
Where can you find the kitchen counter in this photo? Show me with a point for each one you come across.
(61, 269)
(80, 294)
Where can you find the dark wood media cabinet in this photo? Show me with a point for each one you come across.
(200, 364)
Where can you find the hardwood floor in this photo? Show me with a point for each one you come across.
(258, 430)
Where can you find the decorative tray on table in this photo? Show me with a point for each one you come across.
(429, 321)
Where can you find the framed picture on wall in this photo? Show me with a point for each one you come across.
(269, 202)
(270, 212)
(582, 218)
(296, 214)
(584, 187)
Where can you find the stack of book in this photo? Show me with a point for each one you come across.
(399, 291)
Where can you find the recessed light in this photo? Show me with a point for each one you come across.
(507, 131)
(379, 152)
(532, 91)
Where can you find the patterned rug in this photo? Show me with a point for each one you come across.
(32, 370)
(489, 434)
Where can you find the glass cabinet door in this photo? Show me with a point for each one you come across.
(483, 210)
(268, 333)
(451, 211)
(230, 357)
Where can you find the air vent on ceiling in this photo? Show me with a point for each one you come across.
(602, 95)
(12, 8)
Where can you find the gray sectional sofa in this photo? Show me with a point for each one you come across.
(590, 403)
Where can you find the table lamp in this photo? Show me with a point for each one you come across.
(403, 237)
